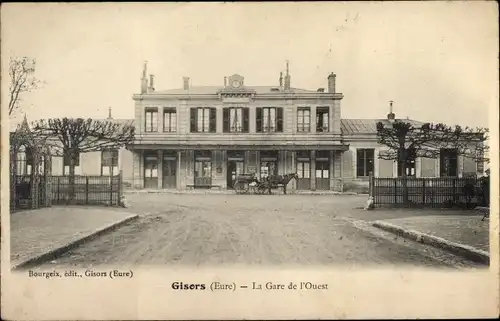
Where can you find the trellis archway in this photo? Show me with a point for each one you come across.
(30, 161)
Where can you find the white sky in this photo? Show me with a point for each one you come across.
(436, 60)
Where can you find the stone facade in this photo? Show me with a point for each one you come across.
(328, 153)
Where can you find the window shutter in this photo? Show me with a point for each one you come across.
(213, 120)
(279, 119)
(245, 119)
(225, 117)
(258, 120)
(194, 116)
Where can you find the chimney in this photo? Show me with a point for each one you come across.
(225, 81)
(331, 83)
(151, 82)
(109, 113)
(144, 79)
(287, 77)
(281, 79)
(391, 116)
(186, 83)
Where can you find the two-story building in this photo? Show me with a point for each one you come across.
(204, 136)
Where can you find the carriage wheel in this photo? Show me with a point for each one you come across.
(261, 189)
(241, 187)
(237, 187)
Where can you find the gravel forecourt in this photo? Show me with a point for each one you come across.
(208, 230)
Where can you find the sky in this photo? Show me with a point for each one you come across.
(438, 61)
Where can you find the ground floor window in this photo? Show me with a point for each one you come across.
(109, 162)
(365, 159)
(409, 168)
(448, 161)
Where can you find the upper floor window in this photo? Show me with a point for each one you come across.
(235, 120)
(322, 119)
(169, 120)
(269, 119)
(303, 119)
(109, 162)
(151, 119)
(364, 162)
(448, 161)
(203, 119)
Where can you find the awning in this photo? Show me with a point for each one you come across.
(256, 147)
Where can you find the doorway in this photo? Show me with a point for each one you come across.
(169, 172)
(322, 176)
(234, 168)
(304, 174)
(150, 170)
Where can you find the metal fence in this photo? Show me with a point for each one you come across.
(86, 190)
(24, 195)
(429, 192)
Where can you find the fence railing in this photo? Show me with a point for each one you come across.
(432, 192)
(24, 196)
(86, 190)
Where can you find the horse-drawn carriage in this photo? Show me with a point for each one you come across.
(246, 182)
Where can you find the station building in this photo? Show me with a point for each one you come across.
(204, 136)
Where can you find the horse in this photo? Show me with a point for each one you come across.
(273, 181)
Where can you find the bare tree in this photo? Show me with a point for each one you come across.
(406, 142)
(22, 80)
(71, 137)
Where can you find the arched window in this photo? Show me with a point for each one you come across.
(21, 160)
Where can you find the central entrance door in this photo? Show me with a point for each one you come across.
(169, 171)
(268, 164)
(235, 166)
(203, 169)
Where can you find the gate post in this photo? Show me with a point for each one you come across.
(111, 189)
(120, 186)
(86, 190)
(423, 192)
(371, 187)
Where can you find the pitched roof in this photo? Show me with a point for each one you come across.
(26, 125)
(368, 126)
(205, 90)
